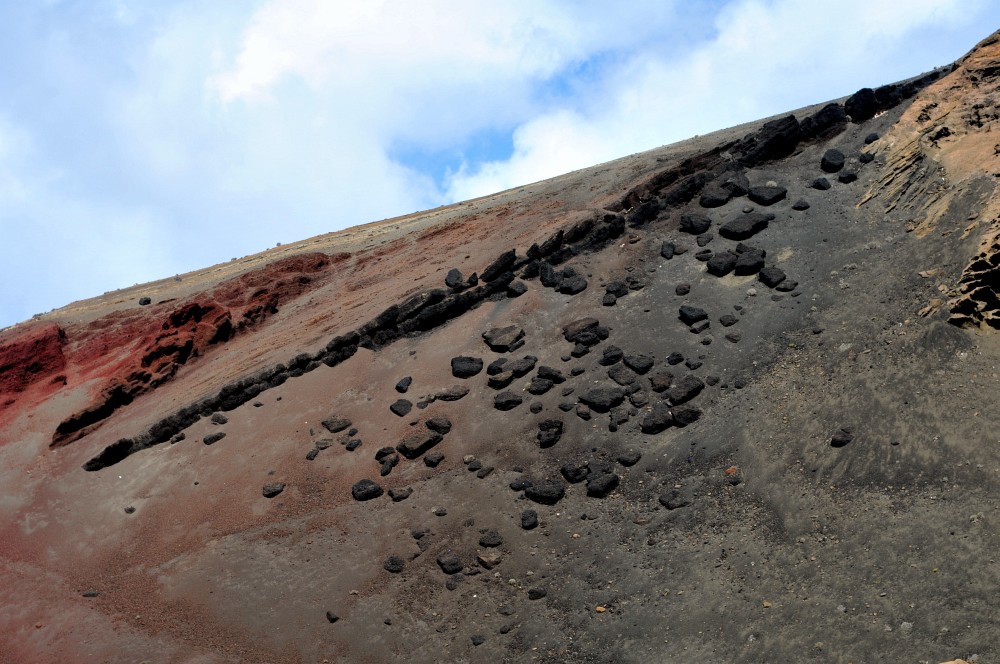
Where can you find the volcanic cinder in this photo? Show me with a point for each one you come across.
(727, 400)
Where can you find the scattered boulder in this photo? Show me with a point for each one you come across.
(504, 339)
(545, 492)
(507, 401)
(660, 381)
(522, 366)
(404, 384)
(668, 249)
(727, 320)
(516, 289)
(690, 315)
(331, 617)
(685, 415)
(771, 276)
(439, 424)
(454, 278)
(745, 226)
(501, 265)
(418, 442)
(822, 184)
(401, 407)
(629, 457)
(685, 389)
(489, 559)
(501, 380)
(871, 138)
(657, 420)
(600, 485)
(366, 490)
(335, 424)
(219, 418)
(638, 363)
(862, 105)
(674, 499)
(536, 593)
(603, 399)
(573, 285)
(490, 539)
(393, 565)
(847, 176)
(453, 393)
(549, 432)
(622, 375)
(144, 301)
(433, 459)
(574, 472)
(695, 223)
(721, 263)
(272, 490)
(800, 205)
(529, 519)
(549, 373)
(749, 262)
(833, 160)
(866, 157)
(213, 438)
(767, 194)
(841, 438)
(399, 495)
(450, 563)
(496, 366)
(539, 386)
(612, 355)
(466, 367)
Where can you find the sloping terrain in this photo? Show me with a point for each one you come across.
(728, 400)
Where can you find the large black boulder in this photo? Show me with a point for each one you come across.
(657, 420)
(722, 263)
(546, 492)
(695, 223)
(504, 339)
(603, 399)
(366, 490)
(833, 160)
(862, 105)
(685, 389)
(601, 484)
(745, 226)
(714, 195)
(766, 194)
(466, 367)
(506, 401)
(690, 315)
(502, 264)
(771, 276)
(416, 443)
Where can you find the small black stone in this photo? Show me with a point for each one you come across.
(366, 490)
(506, 401)
(821, 184)
(143, 301)
(536, 593)
(529, 519)
(401, 407)
(466, 367)
(490, 539)
(433, 459)
(219, 418)
(332, 617)
(450, 563)
(682, 289)
(629, 458)
(477, 639)
(393, 565)
(546, 492)
(404, 384)
(272, 490)
(213, 438)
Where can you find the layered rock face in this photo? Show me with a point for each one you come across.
(710, 402)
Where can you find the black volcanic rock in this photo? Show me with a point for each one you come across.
(862, 105)
(621, 375)
(822, 184)
(690, 315)
(552, 374)
(685, 415)
(546, 492)
(573, 285)
(366, 490)
(774, 140)
(497, 366)
(539, 386)
(502, 264)
(662, 380)
(466, 367)
(574, 472)
(721, 263)
(714, 195)
(695, 223)
(454, 278)
(504, 339)
(639, 363)
(800, 205)
(767, 194)
(833, 160)
(490, 539)
(393, 564)
(612, 355)
(336, 424)
(404, 384)
(657, 420)
(418, 442)
(871, 138)
(749, 262)
(213, 438)
(847, 176)
(272, 490)
(450, 563)
(841, 438)
(685, 389)
(667, 250)
(771, 276)
(603, 399)
(401, 407)
(399, 495)
(439, 424)
(521, 367)
(745, 226)
(529, 519)
(549, 432)
(601, 484)
(506, 401)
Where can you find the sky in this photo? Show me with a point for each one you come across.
(143, 139)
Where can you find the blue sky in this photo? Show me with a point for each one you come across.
(142, 139)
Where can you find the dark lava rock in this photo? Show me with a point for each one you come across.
(693, 364)
(800, 205)
(404, 384)
(352, 445)
(450, 563)
(539, 386)
(504, 339)
(612, 355)
(745, 226)
(700, 326)
(617, 288)
(454, 278)
(536, 407)
(786, 286)
(548, 373)
(682, 289)
(847, 176)
(143, 301)
(576, 330)
(821, 184)
(439, 424)
(661, 381)
(213, 438)
(862, 105)
(603, 399)
(433, 459)
(721, 263)
(549, 432)
(399, 495)
(704, 255)
(609, 300)
(501, 380)
(393, 565)
(536, 593)
(841, 438)
(583, 411)
(522, 366)
(766, 195)
(529, 519)
(675, 358)
(657, 420)
(418, 442)
(712, 380)
(90, 593)
(704, 239)
(365, 490)
(833, 160)
(545, 492)
(516, 289)
(453, 393)
(484, 472)
(219, 418)
(599, 486)
(714, 195)
(272, 490)
(549, 276)
(466, 367)
(477, 639)
(871, 138)
(573, 285)
(674, 499)
(331, 617)
(667, 250)
(638, 363)
(496, 366)
(685, 389)
(734, 337)
(312, 454)
(474, 465)
(574, 472)
(507, 401)
(771, 276)
(490, 539)
(401, 407)
(728, 320)
(690, 315)
(336, 424)
(866, 157)
(502, 264)
(520, 484)
(629, 457)
(621, 375)
(695, 223)
(685, 415)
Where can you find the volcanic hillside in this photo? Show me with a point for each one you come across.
(727, 400)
